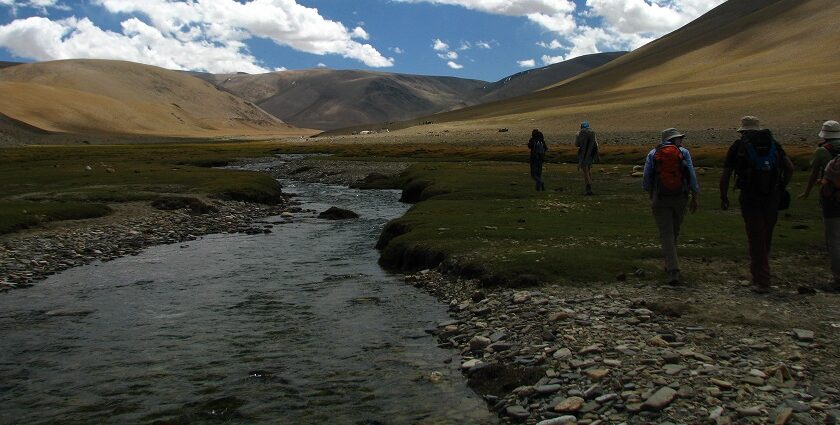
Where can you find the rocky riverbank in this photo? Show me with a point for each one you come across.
(626, 354)
(29, 256)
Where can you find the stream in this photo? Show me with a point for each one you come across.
(299, 326)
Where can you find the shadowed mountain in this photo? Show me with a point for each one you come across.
(328, 99)
(124, 98)
(764, 57)
(536, 79)
(4, 64)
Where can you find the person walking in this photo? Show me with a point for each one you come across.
(538, 149)
(671, 182)
(826, 151)
(762, 171)
(587, 146)
(830, 203)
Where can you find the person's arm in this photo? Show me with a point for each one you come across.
(812, 180)
(577, 140)
(788, 170)
(724, 188)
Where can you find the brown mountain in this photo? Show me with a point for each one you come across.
(124, 98)
(328, 99)
(769, 58)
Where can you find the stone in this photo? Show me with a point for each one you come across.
(562, 420)
(335, 213)
(571, 404)
(517, 412)
(657, 341)
(548, 389)
(660, 399)
(715, 413)
(597, 374)
(721, 383)
(673, 369)
(803, 335)
(606, 398)
(469, 364)
(479, 342)
(749, 411)
(783, 417)
(562, 353)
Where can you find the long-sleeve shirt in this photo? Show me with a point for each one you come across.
(648, 180)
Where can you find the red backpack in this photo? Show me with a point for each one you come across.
(669, 165)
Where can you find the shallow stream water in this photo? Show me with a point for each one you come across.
(299, 326)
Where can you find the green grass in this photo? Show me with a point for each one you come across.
(487, 219)
(67, 182)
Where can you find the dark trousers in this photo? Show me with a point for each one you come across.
(536, 171)
(759, 223)
(669, 212)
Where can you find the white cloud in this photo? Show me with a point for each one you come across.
(397, 50)
(40, 5)
(321, 65)
(483, 45)
(553, 45)
(439, 45)
(527, 63)
(448, 55)
(465, 45)
(454, 65)
(627, 24)
(197, 34)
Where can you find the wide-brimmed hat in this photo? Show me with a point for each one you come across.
(671, 133)
(750, 123)
(830, 130)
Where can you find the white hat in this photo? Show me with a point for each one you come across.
(830, 130)
(671, 133)
(750, 123)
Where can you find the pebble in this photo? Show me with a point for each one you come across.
(571, 404)
(660, 399)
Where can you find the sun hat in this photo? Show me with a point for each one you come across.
(830, 130)
(671, 133)
(832, 171)
(750, 123)
(584, 124)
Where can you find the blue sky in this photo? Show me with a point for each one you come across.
(480, 39)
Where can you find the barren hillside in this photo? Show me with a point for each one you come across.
(115, 97)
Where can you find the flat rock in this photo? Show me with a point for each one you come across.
(571, 404)
(562, 420)
(803, 335)
(517, 412)
(660, 399)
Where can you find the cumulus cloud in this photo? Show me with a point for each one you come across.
(439, 45)
(527, 63)
(40, 5)
(205, 35)
(454, 65)
(623, 24)
(448, 55)
(397, 50)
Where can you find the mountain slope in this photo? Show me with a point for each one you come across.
(326, 99)
(536, 79)
(115, 97)
(764, 57)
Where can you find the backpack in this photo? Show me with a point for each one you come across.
(758, 174)
(539, 148)
(833, 150)
(669, 165)
(763, 175)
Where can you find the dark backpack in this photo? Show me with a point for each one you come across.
(759, 173)
(833, 150)
(539, 148)
(670, 168)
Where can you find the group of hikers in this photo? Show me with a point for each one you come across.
(762, 172)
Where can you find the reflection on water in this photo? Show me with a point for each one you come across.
(299, 326)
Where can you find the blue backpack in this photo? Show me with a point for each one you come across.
(763, 176)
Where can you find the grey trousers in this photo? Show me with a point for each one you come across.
(832, 243)
(669, 212)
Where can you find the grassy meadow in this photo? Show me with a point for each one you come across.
(46, 183)
(486, 220)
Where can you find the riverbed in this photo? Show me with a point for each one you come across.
(295, 326)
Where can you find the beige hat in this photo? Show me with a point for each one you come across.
(750, 123)
(671, 133)
(830, 130)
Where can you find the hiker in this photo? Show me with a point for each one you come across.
(671, 182)
(826, 151)
(762, 171)
(825, 170)
(538, 149)
(587, 153)
(830, 202)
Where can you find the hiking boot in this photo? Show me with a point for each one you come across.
(588, 190)
(832, 287)
(761, 289)
(542, 187)
(673, 278)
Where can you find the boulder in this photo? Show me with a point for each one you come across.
(335, 213)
